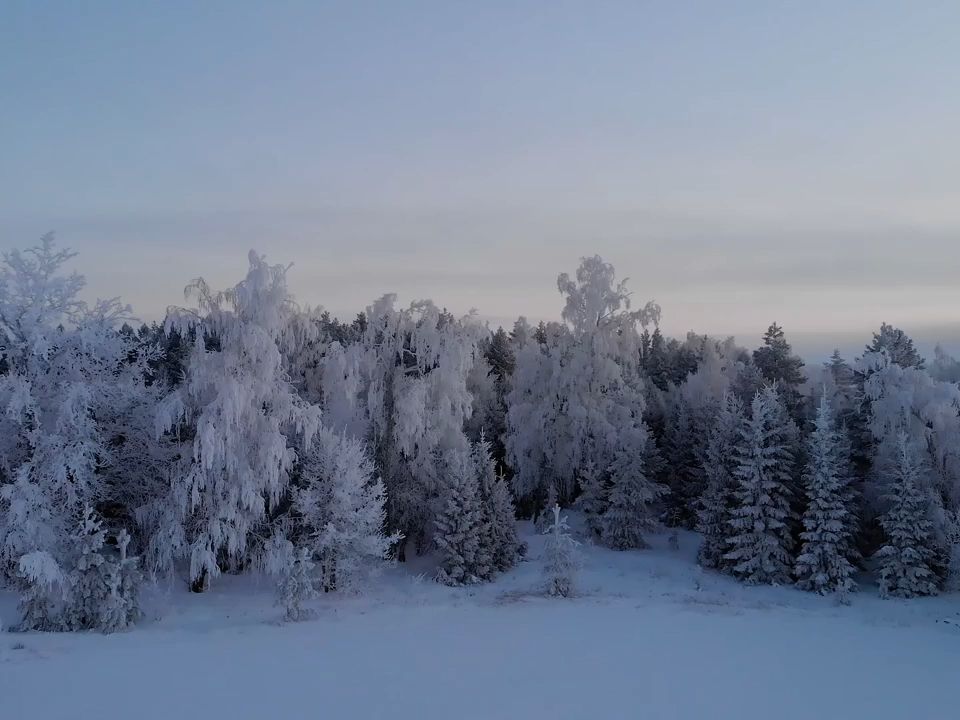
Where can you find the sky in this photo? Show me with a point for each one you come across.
(740, 162)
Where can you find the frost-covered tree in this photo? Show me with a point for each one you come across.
(245, 415)
(944, 366)
(760, 540)
(498, 531)
(403, 387)
(460, 533)
(507, 547)
(897, 345)
(574, 393)
(823, 564)
(907, 399)
(561, 557)
(339, 509)
(293, 568)
(69, 373)
(682, 470)
(631, 495)
(715, 506)
(593, 498)
(905, 560)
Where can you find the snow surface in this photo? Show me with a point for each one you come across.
(650, 635)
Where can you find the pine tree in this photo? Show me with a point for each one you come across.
(631, 496)
(458, 524)
(905, 559)
(562, 559)
(760, 540)
(717, 502)
(777, 363)
(897, 345)
(823, 565)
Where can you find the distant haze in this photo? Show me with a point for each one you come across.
(741, 162)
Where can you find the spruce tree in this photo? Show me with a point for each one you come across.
(458, 524)
(682, 469)
(561, 558)
(507, 548)
(760, 540)
(905, 559)
(777, 363)
(631, 495)
(823, 565)
(897, 345)
(716, 504)
(497, 533)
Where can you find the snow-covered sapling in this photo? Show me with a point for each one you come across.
(561, 557)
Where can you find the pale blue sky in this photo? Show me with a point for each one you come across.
(739, 161)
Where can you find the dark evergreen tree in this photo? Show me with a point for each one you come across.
(898, 346)
(777, 363)
(715, 506)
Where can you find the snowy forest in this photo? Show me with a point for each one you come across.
(248, 434)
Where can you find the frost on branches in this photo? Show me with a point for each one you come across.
(339, 507)
(905, 559)
(823, 565)
(631, 495)
(759, 540)
(68, 375)
(244, 414)
(459, 528)
(575, 392)
(403, 388)
(561, 557)
(716, 505)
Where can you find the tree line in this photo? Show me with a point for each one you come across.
(249, 434)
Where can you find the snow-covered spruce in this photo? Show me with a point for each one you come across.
(293, 569)
(629, 513)
(561, 557)
(904, 561)
(715, 506)
(823, 565)
(499, 529)
(460, 534)
(760, 541)
(338, 510)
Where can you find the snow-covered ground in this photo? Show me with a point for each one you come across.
(649, 636)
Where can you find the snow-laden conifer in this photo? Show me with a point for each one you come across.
(339, 509)
(459, 523)
(715, 506)
(906, 556)
(561, 557)
(631, 496)
(823, 564)
(760, 540)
